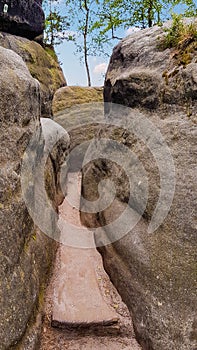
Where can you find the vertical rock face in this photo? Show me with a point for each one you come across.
(23, 17)
(155, 273)
(26, 254)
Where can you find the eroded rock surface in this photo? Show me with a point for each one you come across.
(78, 110)
(42, 64)
(70, 96)
(23, 17)
(26, 254)
(155, 273)
(141, 74)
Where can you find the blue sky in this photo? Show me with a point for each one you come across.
(74, 70)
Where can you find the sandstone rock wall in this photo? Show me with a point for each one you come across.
(26, 254)
(154, 272)
(23, 17)
(43, 66)
(77, 109)
(141, 74)
(69, 96)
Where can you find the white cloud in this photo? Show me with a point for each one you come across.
(132, 30)
(100, 68)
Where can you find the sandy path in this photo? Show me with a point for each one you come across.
(117, 337)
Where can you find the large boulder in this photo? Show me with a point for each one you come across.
(43, 66)
(26, 254)
(77, 110)
(141, 74)
(69, 96)
(154, 272)
(23, 17)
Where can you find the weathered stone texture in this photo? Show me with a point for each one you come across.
(155, 273)
(69, 96)
(26, 254)
(43, 66)
(23, 17)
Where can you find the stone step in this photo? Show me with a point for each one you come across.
(77, 299)
(78, 302)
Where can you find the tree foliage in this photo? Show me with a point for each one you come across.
(83, 15)
(96, 22)
(114, 14)
(56, 24)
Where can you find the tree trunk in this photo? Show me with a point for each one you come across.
(150, 14)
(85, 43)
(51, 25)
(87, 70)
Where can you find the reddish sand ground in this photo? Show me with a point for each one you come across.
(117, 337)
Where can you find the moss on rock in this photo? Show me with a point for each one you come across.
(69, 96)
(43, 66)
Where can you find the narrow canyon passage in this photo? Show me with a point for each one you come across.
(83, 310)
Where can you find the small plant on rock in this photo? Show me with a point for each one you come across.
(180, 35)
